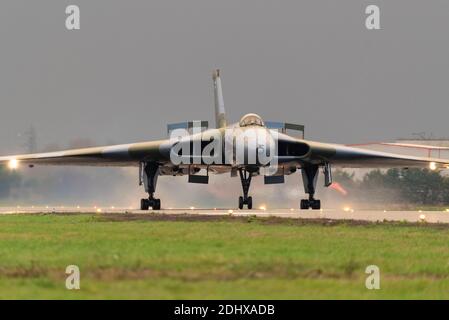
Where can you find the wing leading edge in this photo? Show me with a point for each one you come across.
(351, 157)
(123, 155)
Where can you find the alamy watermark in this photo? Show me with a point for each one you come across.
(372, 21)
(372, 282)
(230, 146)
(72, 282)
(72, 22)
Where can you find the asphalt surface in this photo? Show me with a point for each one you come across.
(343, 214)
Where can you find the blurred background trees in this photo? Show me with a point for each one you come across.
(396, 186)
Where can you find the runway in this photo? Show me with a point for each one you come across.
(334, 214)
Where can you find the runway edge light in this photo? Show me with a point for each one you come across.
(13, 164)
(432, 166)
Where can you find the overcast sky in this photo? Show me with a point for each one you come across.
(137, 65)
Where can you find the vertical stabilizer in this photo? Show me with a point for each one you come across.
(220, 115)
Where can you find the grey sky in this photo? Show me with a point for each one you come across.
(137, 65)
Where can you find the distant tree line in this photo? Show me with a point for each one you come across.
(414, 186)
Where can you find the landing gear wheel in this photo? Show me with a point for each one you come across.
(316, 205)
(240, 202)
(144, 204)
(249, 203)
(156, 204)
(304, 204)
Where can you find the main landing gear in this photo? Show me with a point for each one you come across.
(245, 178)
(309, 178)
(149, 174)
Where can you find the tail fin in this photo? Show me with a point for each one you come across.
(220, 116)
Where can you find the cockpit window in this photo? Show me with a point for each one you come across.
(251, 119)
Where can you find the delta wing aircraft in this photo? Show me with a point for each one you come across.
(246, 149)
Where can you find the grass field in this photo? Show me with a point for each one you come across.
(155, 256)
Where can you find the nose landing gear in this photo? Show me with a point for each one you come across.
(245, 178)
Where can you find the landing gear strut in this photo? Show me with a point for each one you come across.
(150, 174)
(245, 178)
(309, 178)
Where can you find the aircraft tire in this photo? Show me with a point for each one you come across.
(316, 205)
(304, 204)
(240, 202)
(144, 204)
(250, 203)
(156, 204)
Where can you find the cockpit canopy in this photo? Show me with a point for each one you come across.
(251, 119)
